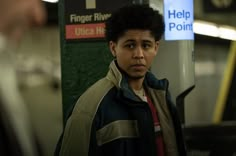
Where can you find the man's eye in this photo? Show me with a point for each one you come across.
(146, 46)
(131, 46)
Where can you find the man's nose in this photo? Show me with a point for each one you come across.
(138, 53)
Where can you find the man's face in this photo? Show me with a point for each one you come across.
(135, 51)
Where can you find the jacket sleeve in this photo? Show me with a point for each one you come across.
(80, 132)
(76, 139)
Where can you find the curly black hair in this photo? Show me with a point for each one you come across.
(134, 17)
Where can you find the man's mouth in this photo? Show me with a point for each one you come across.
(138, 66)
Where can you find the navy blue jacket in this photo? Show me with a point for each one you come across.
(109, 119)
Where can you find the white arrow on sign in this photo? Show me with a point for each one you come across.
(90, 4)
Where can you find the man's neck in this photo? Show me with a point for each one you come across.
(136, 84)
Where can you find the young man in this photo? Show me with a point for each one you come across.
(129, 112)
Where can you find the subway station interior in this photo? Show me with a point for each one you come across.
(53, 72)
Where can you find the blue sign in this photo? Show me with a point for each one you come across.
(178, 16)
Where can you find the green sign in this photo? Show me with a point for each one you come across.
(85, 18)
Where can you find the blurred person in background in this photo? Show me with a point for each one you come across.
(16, 134)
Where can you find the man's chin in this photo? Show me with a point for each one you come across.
(136, 77)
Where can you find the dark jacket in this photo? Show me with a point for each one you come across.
(109, 119)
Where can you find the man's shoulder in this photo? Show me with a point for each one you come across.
(100, 86)
(94, 94)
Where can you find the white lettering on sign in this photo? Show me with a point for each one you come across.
(84, 31)
(100, 30)
(96, 17)
(81, 19)
(101, 17)
(90, 4)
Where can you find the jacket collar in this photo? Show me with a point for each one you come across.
(119, 79)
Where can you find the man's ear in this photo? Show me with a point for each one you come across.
(112, 46)
(157, 47)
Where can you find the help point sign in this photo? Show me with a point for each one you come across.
(178, 16)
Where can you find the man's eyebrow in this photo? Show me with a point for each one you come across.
(147, 41)
(132, 40)
(129, 40)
